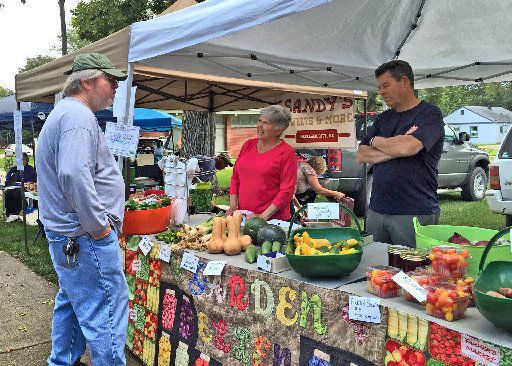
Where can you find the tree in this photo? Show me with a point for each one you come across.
(73, 40)
(33, 62)
(198, 134)
(5, 92)
(97, 19)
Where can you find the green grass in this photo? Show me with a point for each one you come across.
(12, 242)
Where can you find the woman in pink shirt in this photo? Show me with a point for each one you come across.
(265, 172)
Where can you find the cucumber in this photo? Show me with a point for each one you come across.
(276, 246)
(251, 254)
(266, 247)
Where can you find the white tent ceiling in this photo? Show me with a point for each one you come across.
(334, 43)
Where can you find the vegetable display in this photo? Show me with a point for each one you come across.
(147, 203)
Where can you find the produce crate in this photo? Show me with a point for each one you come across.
(429, 236)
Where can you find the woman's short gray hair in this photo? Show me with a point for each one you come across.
(318, 164)
(72, 86)
(277, 116)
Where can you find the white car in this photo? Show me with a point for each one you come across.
(11, 149)
(499, 197)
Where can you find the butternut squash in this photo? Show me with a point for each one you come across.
(223, 229)
(245, 240)
(232, 244)
(216, 244)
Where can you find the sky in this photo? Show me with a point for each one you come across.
(27, 31)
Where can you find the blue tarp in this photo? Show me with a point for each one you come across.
(146, 119)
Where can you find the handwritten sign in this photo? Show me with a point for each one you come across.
(18, 134)
(214, 268)
(264, 263)
(136, 265)
(122, 140)
(145, 244)
(189, 262)
(320, 121)
(133, 315)
(323, 210)
(411, 286)
(165, 253)
(480, 351)
(364, 309)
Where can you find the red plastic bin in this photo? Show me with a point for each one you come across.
(146, 222)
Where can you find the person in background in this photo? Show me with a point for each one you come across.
(158, 151)
(13, 200)
(265, 172)
(81, 204)
(308, 185)
(404, 144)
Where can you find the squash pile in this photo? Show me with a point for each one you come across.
(306, 245)
(232, 243)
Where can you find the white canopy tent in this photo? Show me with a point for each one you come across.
(334, 43)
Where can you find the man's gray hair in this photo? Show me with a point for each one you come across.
(277, 116)
(72, 86)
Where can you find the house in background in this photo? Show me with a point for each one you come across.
(485, 125)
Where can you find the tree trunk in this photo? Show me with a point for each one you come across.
(63, 27)
(198, 135)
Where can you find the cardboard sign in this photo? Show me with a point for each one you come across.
(480, 351)
(320, 121)
(214, 268)
(18, 138)
(136, 265)
(122, 140)
(145, 244)
(364, 309)
(189, 262)
(323, 210)
(411, 286)
(165, 253)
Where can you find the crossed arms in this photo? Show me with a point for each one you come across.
(387, 148)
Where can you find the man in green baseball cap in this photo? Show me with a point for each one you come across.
(96, 61)
(82, 209)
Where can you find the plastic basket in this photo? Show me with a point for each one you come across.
(145, 222)
(428, 236)
(495, 275)
(328, 266)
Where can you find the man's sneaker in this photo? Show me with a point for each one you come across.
(12, 218)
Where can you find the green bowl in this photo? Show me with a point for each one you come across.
(494, 309)
(326, 266)
(428, 236)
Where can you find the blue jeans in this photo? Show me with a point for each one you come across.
(92, 303)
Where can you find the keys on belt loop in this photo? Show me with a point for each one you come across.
(70, 249)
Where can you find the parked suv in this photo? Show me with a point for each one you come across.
(499, 197)
(462, 165)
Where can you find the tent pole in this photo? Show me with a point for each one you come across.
(365, 171)
(22, 178)
(128, 91)
(33, 142)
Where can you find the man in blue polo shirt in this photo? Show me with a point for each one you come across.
(404, 144)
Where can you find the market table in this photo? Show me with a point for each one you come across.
(249, 317)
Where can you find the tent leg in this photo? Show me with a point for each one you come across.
(126, 121)
(365, 167)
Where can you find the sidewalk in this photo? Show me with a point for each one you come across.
(26, 307)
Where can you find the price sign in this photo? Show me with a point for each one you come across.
(214, 268)
(165, 253)
(364, 309)
(264, 263)
(411, 286)
(146, 244)
(480, 351)
(324, 210)
(189, 262)
(136, 265)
